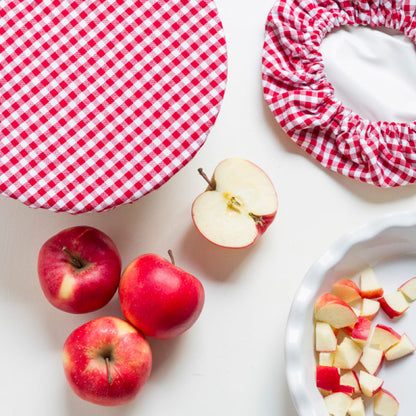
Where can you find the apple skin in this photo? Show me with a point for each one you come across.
(79, 289)
(84, 359)
(159, 298)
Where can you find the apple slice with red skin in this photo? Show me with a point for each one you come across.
(369, 384)
(394, 304)
(338, 403)
(347, 290)
(238, 206)
(369, 308)
(160, 298)
(401, 349)
(384, 337)
(327, 378)
(409, 289)
(361, 331)
(334, 311)
(350, 378)
(385, 404)
(107, 361)
(79, 269)
(369, 284)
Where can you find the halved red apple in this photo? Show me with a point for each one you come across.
(237, 207)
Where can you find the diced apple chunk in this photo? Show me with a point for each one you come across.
(325, 339)
(384, 337)
(369, 308)
(338, 404)
(402, 348)
(394, 304)
(327, 378)
(346, 290)
(334, 311)
(369, 384)
(361, 331)
(385, 404)
(369, 285)
(357, 407)
(348, 354)
(326, 358)
(372, 359)
(350, 379)
(409, 289)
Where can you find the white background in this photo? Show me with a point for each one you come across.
(232, 361)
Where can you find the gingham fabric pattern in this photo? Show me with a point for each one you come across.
(102, 101)
(302, 99)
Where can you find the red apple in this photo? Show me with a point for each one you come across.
(159, 298)
(346, 290)
(394, 304)
(369, 284)
(238, 206)
(107, 361)
(361, 331)
(327, 378)
(79, 269)
(334, 311)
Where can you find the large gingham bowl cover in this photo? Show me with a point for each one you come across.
(302, 99)
(102, 101)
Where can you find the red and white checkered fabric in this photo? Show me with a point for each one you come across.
(302, 99)
(102, 101)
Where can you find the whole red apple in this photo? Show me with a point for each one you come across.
(107, 361)
(79, 269)
(159, 298)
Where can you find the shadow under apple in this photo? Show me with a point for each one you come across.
(218, 263)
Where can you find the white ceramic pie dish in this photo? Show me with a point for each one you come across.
(388, 245)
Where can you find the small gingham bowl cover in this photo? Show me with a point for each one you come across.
(102, 101)
(302, 99)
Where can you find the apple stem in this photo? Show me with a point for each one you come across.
(210, 183)
(257, 218)
(107, 363)
(76, 262)
(172, 259)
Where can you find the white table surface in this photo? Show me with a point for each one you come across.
(231, 362)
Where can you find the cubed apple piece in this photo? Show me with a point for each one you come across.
(325, 339)
(372, 359)
(338, 403)
(361, 331)
(348, 354)
(384, 337)
(334, 311)
(357, 407)
(402, 348)
(369, 308)
(346, 290)
(326, 358)
(394, 304)
(346, 389)
(369, 285)
(385, 404)
(409, 289)
(350, 378)
(369, 384)
(327, 378)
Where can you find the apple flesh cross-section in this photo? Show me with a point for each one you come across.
(384, 337)
(238, 205)
(369, 308)
(350, 379)
(409, 289)
(369, 284)
(369, 384)
(401, 349)
(334, 311)
(385, 404)
(346, 290)
(357, 407)
(347, 355)
(372, 359)
(338, 403)
(325, 339)
(394, 304)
